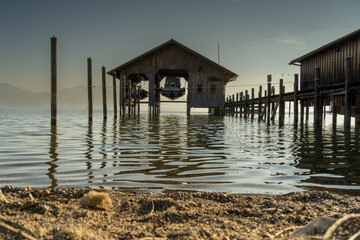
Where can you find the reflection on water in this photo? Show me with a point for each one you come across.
(174, 152)
(53, 156)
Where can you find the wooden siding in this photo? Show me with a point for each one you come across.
(331, 62)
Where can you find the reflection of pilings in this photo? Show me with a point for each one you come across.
(90, 146)
(103, 144)
(54, 156)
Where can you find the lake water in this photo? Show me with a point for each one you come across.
(174, 152)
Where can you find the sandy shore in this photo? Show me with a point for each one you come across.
(65, 214)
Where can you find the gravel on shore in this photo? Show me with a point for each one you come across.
(64, 213)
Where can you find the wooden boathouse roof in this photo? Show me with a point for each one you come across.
(326, 46)
(231, 76)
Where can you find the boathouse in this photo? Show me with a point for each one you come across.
(330, 58)
(206, 80)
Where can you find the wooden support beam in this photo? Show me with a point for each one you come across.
(227, 105)
(334, 115)
(268, 102)
(114, 95)
(296, 104)
(90, 98)
(138, 98)
(122, 94)
(307, 112)
(357, 111)
(317, 105)
(53, 81)
(152, 91)
(348, 79)
(252, 103)
(302, 111)
(104, 93)
(129, 97)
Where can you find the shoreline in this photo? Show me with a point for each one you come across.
(62, 213)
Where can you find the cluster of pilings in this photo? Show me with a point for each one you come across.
(129, 95)
(343, 98)
(265, 107)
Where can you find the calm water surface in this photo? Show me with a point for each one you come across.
(174, 152)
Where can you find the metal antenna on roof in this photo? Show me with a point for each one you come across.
(218, 53)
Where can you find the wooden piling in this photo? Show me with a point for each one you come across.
(237, 104)
(296, 104)
(53, 81)
(260, 103)
(241, 104)
(281, 103)
(104, 93)
(129, 97)
(302, 111)
(268, 102)
(348, 79)
(252, 103)
(152, 93)
(357, 111)
(122, 95)
(246, 104)
(90, 102)
(114, 93)
(233, 105)
(138, 98)
(317, 106)
(265, 106)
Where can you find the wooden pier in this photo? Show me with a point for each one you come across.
(338, 98)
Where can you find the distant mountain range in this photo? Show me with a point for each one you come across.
(68, 98)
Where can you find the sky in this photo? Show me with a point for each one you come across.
(256, 37)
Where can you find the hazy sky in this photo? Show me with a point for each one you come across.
(257, 37)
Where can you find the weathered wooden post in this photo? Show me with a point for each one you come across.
(260, 103)
(357, 111)
(265, 106)
(129, 97)
(114, 93)
(138, 97)
(252, 103)
(268, 102)
(237, 104)
(233, 105)
(317, 107)
(53, 80)
(122, 95)
(296, 104)
(348, 78)
(241, 104)
(246, 103)
(302, 111)
(281, 103)
(104, 93)
(90, 102)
